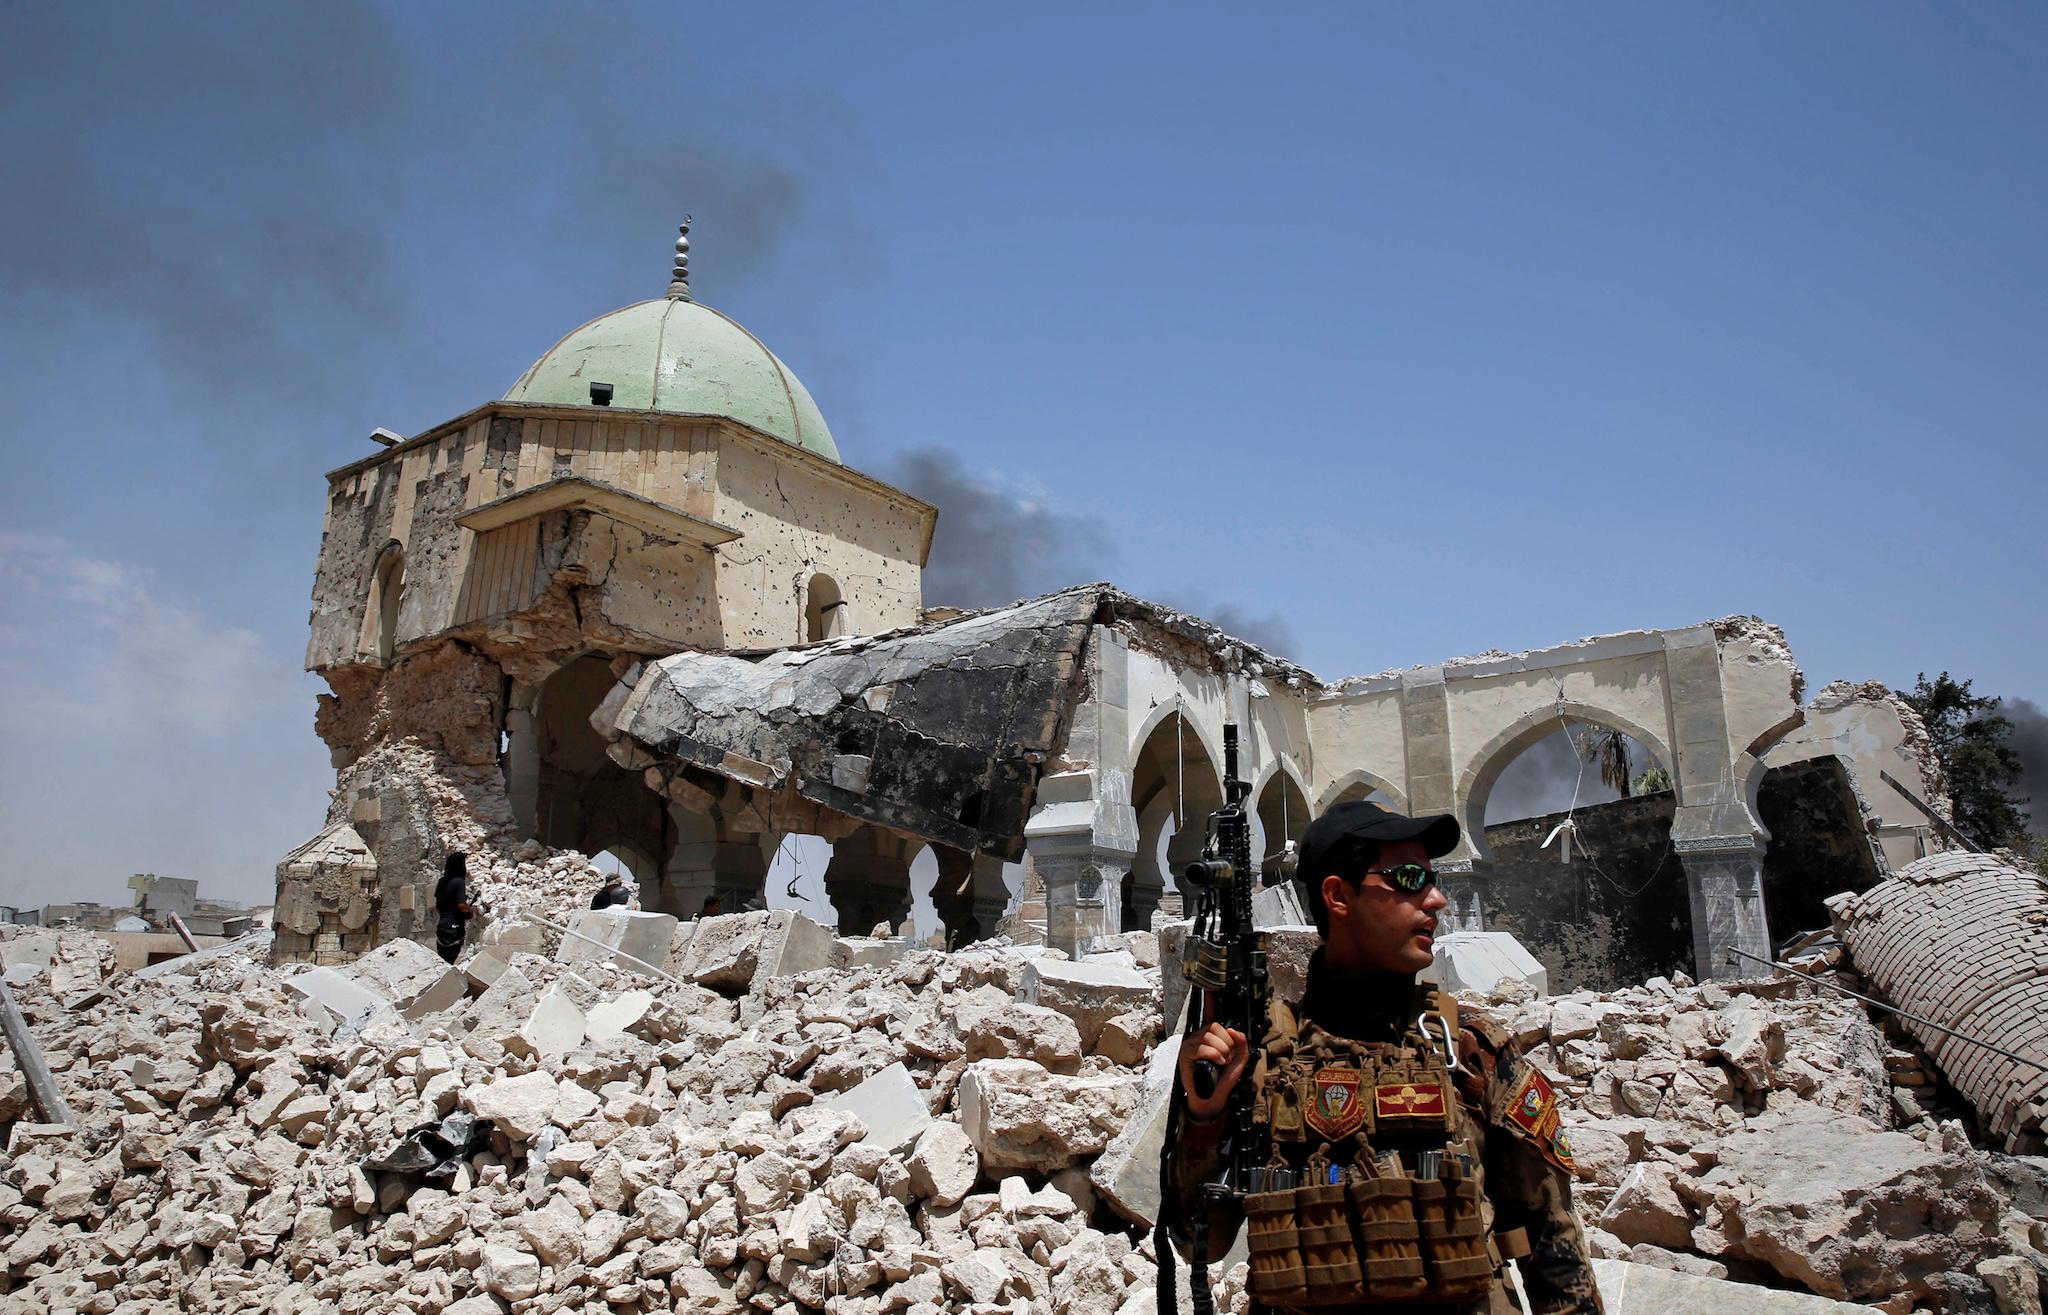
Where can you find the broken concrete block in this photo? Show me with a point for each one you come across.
(1471, 962)
(613, 1017)
(1019, 1116)
(731, 952)
(1127, 1173)
(518, 1107)
(498, 1014)
(1089, 993)
(411, 976)
(513, 936)
(1278, 906)
(332, 1000)
(555, 1027)
(26, 958)
(865, 952)
(256, 945)
(891, 1106)
(1014, 1031)
(482, 970)
(944, 1166)
(633, 940)
(1631, 1289)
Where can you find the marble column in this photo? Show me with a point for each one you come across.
(1724, 879)
(1082, 838)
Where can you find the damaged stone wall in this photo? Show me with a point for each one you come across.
(1873, 731)
(797, 515)
(1619, 913)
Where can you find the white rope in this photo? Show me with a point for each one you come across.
(1180, 794)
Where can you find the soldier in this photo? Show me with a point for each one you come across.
(1413, 1152)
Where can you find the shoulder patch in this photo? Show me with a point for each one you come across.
(1528, 1109)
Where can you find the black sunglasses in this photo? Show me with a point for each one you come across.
(1409, 877)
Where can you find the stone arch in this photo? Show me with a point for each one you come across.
(1167, 777)
(379, 636)
(1281, 809)
(825, 609)
(1212, 747)
(1357, 784)
(1482, 770)
(644, 867)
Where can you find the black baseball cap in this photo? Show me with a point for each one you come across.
(1360, 818)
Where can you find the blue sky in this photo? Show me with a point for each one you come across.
(1394, 333)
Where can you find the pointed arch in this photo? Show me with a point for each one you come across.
(1482, 770)
(379, 635)
(1357, 784)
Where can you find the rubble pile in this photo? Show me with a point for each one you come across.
(1751, 1130)
(903, 1137)
(906, 1131)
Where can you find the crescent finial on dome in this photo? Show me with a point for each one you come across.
(679, 279)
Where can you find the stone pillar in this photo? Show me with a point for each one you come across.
(1724, 877)
(1182, 848)
(1717, 841)
(1464, 883)
(710, 857)
(868, 880)
(1142, 893)
(522, 759)
(1082, 838)
(969, 896)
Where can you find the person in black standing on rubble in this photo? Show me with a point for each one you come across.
(451, 902)
(1449, 1141)
(612, 895)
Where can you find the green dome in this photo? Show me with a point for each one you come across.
(675, 355)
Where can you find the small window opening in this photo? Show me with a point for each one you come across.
(825, 610)
(390, 587)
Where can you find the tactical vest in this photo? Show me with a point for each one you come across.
(1373, 1191)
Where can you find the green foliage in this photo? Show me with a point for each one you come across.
(1610, 750)
(1972, 744)
(1653, 779)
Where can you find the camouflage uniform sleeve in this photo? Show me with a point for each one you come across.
(1529, 1173)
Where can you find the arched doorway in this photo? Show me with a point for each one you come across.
(1175, 785)
(387, 591)
(1570, 814)
(825, 609)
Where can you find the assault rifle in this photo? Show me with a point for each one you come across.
(1224, 960)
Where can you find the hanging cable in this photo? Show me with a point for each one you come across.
(1180, 793)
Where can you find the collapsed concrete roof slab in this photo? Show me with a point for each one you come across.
(938, 731)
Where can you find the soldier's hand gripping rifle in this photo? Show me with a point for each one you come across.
(1224, 960)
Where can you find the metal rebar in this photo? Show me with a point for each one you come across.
(1906, 1014)
(1941, 823)
(42, 1086)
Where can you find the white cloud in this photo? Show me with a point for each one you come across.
(139, 732)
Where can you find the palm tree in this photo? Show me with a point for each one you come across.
(1608, 748)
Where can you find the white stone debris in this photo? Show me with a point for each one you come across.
(769, 1133)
